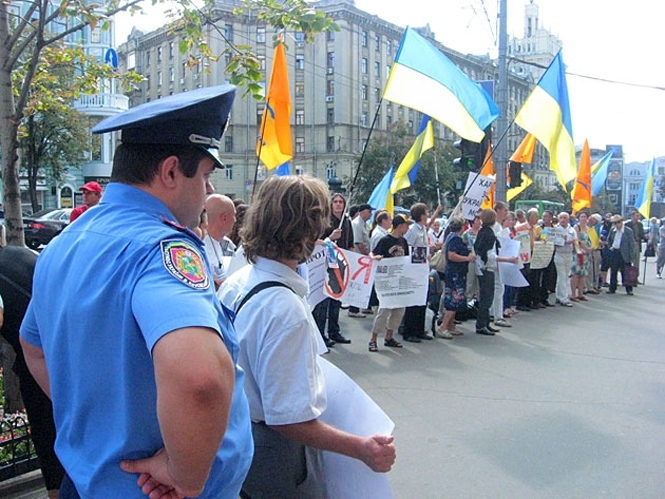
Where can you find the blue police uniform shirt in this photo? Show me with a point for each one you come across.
(105, 291)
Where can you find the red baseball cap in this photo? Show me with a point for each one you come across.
(91, 187)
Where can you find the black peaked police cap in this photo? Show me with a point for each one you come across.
(197, 118)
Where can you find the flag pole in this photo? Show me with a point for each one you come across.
(258, 153)
(436, 177)
(360, 162)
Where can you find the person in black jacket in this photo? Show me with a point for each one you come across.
(17, 266)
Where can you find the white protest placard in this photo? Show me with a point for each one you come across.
(348, 478)
(524, 238)
(510, 272)
(316, 275)
(555, 235)
(541, 256)
(349, 276)
(477, 187)
(400, 283)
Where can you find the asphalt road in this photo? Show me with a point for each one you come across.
(568, 403)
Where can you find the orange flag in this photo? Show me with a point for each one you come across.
(524, 152)
(488, 171)
(274, 146)
(582, 191)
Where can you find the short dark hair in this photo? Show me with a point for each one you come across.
(456, 224)
(137, 164)
(417, 211)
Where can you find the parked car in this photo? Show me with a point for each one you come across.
(44, 225)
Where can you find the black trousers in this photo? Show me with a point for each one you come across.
(485, 298)
(617, 265)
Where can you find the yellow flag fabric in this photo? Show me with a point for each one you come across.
(512, 193)
(274, 146)
(524, 152)
(581, 194)
(424, 141)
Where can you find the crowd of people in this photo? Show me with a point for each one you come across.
(171, 376)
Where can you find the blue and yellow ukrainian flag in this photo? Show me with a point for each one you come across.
(643, 201)
(405, 176)
(424, 79)
(382, 198)
(546, 114)
(599, 173)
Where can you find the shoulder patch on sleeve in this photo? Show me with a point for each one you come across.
(184, 262)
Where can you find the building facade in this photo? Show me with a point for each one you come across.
(337, 83)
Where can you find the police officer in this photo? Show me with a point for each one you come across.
(124, 330)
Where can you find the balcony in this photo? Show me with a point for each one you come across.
(105, 104)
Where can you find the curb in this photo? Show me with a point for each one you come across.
(27, 482)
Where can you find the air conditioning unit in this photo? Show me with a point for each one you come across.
(330, 98)
(331, 71)
(196, 76)
(182, 81)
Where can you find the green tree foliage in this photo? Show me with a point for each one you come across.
(29, 51)
(386, 150)
(50, 141)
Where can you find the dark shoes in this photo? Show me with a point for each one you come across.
(610, 292)
(329, 343)
(484, 331)
(412, 339)
(338, 338)
(547, 304)
(425, 336)
(493, 329)
(523, 308)
(629, 293)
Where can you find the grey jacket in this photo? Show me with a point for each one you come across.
(627, 246)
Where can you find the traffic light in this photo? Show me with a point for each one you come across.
(472, 153)
(515, 173)
(468, 152)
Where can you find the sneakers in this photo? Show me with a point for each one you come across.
(502, 323)
(445, 334)
(357, 315)
(658, 276)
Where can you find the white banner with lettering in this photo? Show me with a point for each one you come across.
(400, 283)
(476, 190)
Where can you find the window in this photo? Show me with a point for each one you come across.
(228, 143)
(259, 117)
(260, 34)
(300, 61)
(300, 169)
(363, 66)
(131, 60)
(377, 93)
(171, 74)
(330, 36)
(331, 60)
(147, 82)
(377, 69)
(228, 32)
(262, 62)
(363, 92)
(330, 116)
(96, 34)
(183, 70)
(159, 54)
(389, 120)
(387, 70)
(147, 58)
(331, 168)
(363, 118)
(377, 42)
(159, 78)
(300, 89)
(300, 144)
(171, 50)
(330, 88)
(363, 38)
(389, 46)
(229, 171)
(330, 145)
(300, 116)
(300, 37)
